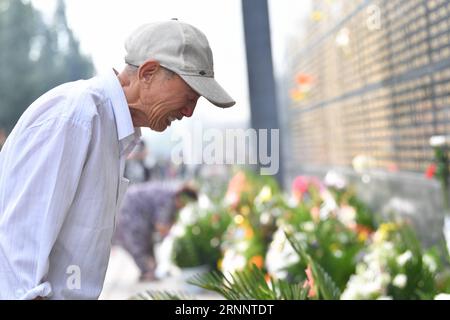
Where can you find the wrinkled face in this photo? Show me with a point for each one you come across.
(162, 98)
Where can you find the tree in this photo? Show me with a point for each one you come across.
(34, 57)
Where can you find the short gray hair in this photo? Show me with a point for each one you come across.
(132, 70)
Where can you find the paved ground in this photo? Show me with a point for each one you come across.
(122, 281)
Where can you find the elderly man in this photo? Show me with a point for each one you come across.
(149, 208)
(61, 169)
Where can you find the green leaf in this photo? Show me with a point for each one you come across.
(161, 295)
(249, 284)
(327, 288)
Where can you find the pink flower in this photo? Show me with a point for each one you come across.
(309, 283)
(392, 167)
(236, 187)
(314, 181)
(300, 186)
(430, 171)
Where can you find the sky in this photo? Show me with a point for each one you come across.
(101, 26)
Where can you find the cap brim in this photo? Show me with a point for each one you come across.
(210, 89)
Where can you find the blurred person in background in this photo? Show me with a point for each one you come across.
(62, 166)
(136, 169)
(147, 209)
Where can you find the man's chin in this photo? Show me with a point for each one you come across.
(159, 128)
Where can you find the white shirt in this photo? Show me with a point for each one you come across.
(61, 183)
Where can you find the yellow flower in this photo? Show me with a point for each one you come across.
(362, 236)
(384, 230)
(334, 247)
(388, 227)
(317, 15)
(245, 210)
(238, 219)
(297, 95)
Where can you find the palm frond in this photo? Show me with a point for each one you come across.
(326, 287)
(249, 284)
(161, 295)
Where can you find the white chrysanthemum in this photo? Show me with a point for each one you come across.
(242, 246)
(308, 226)
(380, 253)
(187, 215)
(350, 293)
(438, 141)
(232, 262)
(338, 253)
(163, 253)
(178, 230)
(240, 262)
(280, 255)
(204, 202)
(404, 258)
(442, 296)
(365, 286)
(264, 195)
(370, 280)
(430, 262)
(388, 247)
(329, 205)
(265, 218)
(400, 280)
(335, 180)
(347, 215)
(215, 242)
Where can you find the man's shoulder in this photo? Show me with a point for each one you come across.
(76, 101)
(83, 96)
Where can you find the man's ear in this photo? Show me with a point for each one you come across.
(148, 69)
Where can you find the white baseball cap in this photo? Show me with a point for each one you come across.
(183, 49)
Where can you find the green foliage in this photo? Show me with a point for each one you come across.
(364, 215)
(330, 243)
(34, 57)
(421, 281)
(260, 203)
(443, 171)
(327, 288)
(249, 284)
(397, 266)
(335, 248)
(339, 245)
(161, 295)
(200, 243)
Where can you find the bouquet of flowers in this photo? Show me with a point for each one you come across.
(198, 236)
(331, 224)
(253, 202)
(322, 242)
(394, 266)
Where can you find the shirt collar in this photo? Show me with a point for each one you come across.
(121, 110)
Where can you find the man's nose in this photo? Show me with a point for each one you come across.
(188, 111)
